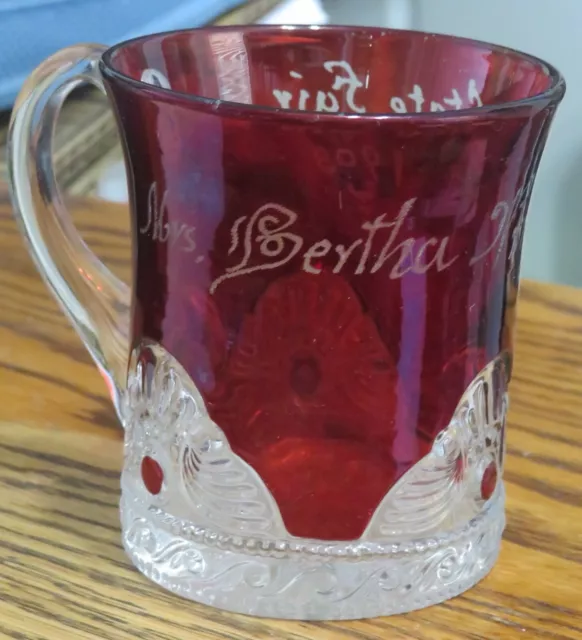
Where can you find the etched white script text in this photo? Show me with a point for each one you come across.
(268, 242)
(175, 233)
(344, 83)
(268, 239)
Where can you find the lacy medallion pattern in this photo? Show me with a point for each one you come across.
(214, 533)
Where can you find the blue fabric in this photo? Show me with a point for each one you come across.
(31, 30)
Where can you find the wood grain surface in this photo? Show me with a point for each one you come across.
(63, 574)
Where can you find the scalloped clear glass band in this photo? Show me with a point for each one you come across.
(214, 533)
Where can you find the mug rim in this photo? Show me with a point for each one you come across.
(553, 94)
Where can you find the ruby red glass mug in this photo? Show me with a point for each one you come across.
(312, 365)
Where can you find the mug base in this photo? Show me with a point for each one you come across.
(295, 584)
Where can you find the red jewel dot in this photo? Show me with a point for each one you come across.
(152, 475)
(489, 481)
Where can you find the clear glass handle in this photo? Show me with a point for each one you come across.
(97, 303)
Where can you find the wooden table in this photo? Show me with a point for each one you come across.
(63, 574)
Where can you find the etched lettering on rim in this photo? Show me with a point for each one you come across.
(346, 83)
(155, 78)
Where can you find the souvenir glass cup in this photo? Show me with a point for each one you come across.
(312, 364)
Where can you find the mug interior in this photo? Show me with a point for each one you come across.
(334, 69)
